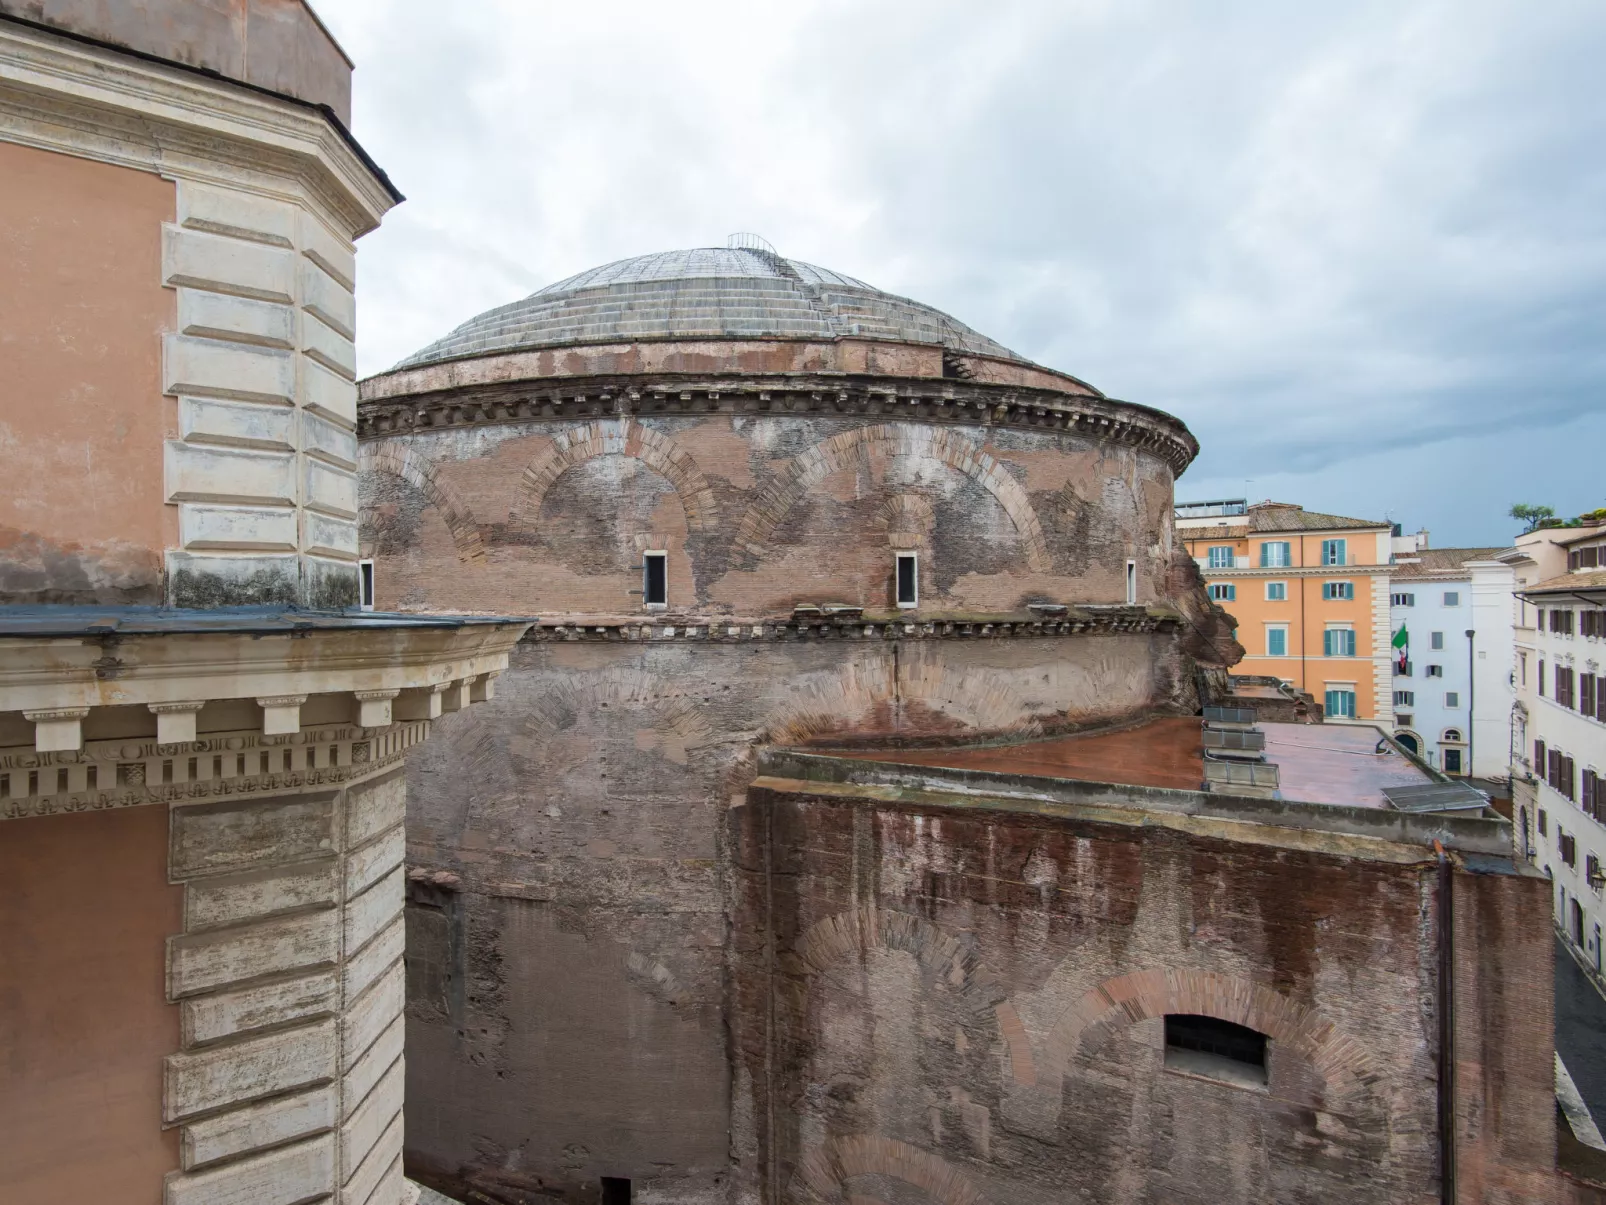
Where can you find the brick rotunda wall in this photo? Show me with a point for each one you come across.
(758, 513)
(568, 914)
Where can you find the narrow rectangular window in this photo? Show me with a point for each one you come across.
(1131, 583)
(1452, 698)
(1436, 640)
(908, 579)
(365, 584)
(1276, 591)
(1452, 598)
(655, 579)
(1276, 642)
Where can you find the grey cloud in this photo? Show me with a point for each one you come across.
(1351, 245)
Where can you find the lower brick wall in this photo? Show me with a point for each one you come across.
(973, 1004)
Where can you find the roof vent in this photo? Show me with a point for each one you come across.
(743, 241)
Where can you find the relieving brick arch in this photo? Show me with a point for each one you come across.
(1339, 1059)
(847, 936)
(616, 437)
(795, 479)
(418, 471)
(824, 1172)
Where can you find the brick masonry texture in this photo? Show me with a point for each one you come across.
(759, 513)
(971, 1006)
(574, 975)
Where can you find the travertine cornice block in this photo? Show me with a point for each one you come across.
(281, 714)
(57, 729)
(78, 99)
(175, 722)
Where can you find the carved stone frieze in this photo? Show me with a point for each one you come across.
(131, 773)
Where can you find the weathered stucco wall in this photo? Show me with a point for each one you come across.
(276, 44)
(82, 311)
(570, 978)
(936, 1004)
(759, 513)
(84, 1020)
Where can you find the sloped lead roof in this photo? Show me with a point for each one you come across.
(704, 293)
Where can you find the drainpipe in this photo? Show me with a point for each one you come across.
(1446, 935)
(1472, 703)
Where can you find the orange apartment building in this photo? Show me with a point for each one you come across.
(1310, 593)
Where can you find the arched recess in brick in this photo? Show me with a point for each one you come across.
(616, 437)
(824, 1172)
(413, 467)
(841, 451)
(848, 935)
(1339, 1059)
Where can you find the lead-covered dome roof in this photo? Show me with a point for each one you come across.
(705, 293)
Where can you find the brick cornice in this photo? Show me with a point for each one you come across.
(937, 400)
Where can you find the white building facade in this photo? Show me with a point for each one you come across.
(1559, 723)
(1451, 613)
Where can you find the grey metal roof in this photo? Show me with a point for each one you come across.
(1436, 797)
(704, 293)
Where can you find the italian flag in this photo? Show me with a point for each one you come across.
(1402, 642)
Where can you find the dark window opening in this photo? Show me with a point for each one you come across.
(365, 572)
(655, 583)
(908, 579)
(615, 1190)
(1215, 1048)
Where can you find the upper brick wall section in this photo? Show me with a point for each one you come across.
(279, 45)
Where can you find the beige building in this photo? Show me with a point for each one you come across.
(201, 737)
(1558, 750)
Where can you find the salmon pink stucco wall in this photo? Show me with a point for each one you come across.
(84, 1020)
(82, 416)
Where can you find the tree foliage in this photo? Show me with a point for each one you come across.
(1534, 516)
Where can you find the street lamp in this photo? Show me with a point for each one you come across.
(1472, 702)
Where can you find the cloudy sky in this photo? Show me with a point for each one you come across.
(1359, 248)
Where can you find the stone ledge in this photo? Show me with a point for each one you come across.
(1105, 621)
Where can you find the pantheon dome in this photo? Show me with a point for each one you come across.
(705, 293)
(755, 503)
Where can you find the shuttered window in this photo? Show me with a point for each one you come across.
(1338, 642)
